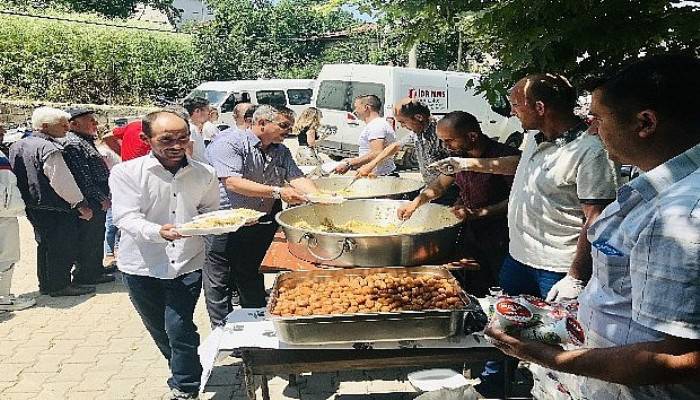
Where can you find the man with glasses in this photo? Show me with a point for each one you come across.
(160, 268)
(376, 135)
(258, 172)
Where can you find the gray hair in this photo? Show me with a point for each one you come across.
(48, 116)
(268, 113)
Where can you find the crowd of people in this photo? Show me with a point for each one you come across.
(552, 220)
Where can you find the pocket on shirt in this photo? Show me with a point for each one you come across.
(612, 270)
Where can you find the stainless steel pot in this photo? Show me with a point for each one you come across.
(383, 187)
(434, 242)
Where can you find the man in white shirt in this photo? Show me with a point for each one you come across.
(162, 269)
(640, 309)
(52, 200)
(376, 135)
(198, 108)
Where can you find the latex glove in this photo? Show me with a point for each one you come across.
(568, 288)
(451, 165)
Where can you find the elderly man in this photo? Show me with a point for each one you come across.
(376, 135)
(198, 108)
(92, 176)
(483, 198)
(562, 183)
(258, 172)
(243, 115)
(11, 208)
(640, 310)
(161, 269)
(53, 200)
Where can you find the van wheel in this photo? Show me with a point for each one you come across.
(515, 139)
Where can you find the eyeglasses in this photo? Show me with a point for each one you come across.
(172, 141)
(283, 125)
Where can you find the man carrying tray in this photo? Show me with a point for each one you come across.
(161, 269)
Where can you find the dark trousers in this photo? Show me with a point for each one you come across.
(91, 234)
(486, 241)
(166, 307)
(234, 259)
(56, 235)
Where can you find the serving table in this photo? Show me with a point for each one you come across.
(251, 336)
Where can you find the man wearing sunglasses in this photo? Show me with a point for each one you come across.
(258, 172)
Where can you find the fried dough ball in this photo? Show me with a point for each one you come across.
(376, 292)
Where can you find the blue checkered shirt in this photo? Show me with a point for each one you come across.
(646, 271)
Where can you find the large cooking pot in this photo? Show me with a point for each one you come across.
(382, 187)
(434, 242)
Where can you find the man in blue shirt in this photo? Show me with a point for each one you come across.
(640, 308)
(258, 172)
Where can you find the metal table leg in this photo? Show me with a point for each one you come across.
(265, 388)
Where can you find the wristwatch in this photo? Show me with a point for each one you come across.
(348, 164)
(276, 192)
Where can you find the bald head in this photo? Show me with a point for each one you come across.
(553, 90)
(239, 112)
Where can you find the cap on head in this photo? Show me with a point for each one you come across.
(76, 112)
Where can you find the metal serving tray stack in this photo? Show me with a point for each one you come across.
(365, 327)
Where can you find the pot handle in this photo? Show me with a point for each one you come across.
(347, 245)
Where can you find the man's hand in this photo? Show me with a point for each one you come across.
(85, 213)
(292, 196)
(105, 204)
(343, 167)
(524, 349)
(169, 233)
(451, 165)
(365, 171)
(568, 288)
(464, 213)
(406, 211)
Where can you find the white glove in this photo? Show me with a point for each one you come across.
(451, 165)
(568, 288)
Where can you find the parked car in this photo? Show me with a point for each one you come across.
(293, 93)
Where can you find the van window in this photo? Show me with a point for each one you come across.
(234, 99)
(271, 97)
(298, 97)
(215, 97)
(339, 95)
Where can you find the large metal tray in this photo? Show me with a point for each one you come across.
(365, 327)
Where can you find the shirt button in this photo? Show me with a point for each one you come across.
(174, 194)
(173, 246)
(173, 212)
(172, 261)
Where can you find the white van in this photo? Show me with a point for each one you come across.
(338, 84)
(224, 95)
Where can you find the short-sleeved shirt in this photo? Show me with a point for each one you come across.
(378, 128)
(552, 181)
(429, 149)
(198, 146)
(240, 154)
(478, 190)
(646, 271)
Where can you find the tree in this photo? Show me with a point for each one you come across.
(110, 9)
(262, 39)
(581, 39)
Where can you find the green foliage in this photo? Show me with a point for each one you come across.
(578, 38)
(71, 62)
(109, 8)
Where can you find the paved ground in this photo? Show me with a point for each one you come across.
(96, 348)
